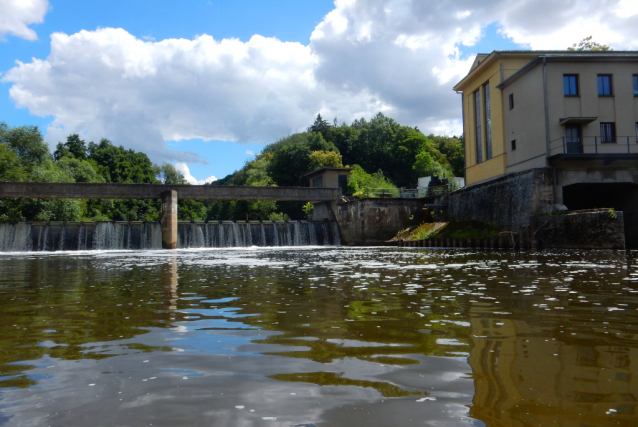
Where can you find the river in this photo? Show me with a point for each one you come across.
(310, 336)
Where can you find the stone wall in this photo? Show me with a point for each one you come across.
(374, 221)
(581, 230)
(509, 201)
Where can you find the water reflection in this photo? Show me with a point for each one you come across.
(374, 337)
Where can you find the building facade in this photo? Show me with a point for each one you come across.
(573, 114)
(527, 109)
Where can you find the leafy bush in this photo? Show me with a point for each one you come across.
(361, 182)
(278, 216)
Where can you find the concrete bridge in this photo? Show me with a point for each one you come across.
(166, 192)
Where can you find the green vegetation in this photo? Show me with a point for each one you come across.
(362, 184)
(307, 208)
(588, 44)
(452, 230)
(24, 156)
(470, 230)
(421, 232)
(384, 154)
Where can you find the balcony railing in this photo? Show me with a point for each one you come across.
(588, 145)
(409, 193)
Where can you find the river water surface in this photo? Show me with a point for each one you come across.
(319, 337)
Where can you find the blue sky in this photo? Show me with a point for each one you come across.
(289, 20)
(213, 102)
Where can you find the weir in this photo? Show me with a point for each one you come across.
(70, 236)
(169, 195)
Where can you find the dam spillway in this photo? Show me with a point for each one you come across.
(136, 235)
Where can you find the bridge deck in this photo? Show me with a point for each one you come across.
(60, 190)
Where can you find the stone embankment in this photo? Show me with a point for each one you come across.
(506, 241)
(587, 229)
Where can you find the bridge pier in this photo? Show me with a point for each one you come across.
(169, 219)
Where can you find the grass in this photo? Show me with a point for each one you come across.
(453, 230)
(421, 232)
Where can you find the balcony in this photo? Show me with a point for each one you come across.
(593, 147)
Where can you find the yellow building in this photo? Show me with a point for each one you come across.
(561, 109)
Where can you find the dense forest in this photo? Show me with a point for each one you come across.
(383, 153)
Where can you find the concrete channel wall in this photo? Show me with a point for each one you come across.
(595, 229)
(509, 201)
(374, 221)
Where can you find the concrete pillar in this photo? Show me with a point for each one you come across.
(169, 219)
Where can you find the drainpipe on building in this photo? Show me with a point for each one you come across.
(547, 146)
(464, 150)
(554, 188)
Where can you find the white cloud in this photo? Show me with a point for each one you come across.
(250, 153)
(17, 15)
(401, 57)
(186, 173)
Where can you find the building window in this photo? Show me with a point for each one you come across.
(604, 85)
(511, 101)
(570, 84)
(513, 144)
(635, 84)
(607, 132)
(318, 182)
(343, 183)
(488, 119)
(479, 135)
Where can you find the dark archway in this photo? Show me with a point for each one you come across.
(622, 196)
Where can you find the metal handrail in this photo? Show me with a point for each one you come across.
(407, 192)
(594, 145)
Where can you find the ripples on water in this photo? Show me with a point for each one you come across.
(307, 336)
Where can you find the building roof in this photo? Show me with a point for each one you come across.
(484, 59)
(563, 56)
(324, 168)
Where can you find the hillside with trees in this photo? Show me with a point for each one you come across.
(383, 153)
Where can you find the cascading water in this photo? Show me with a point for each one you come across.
(326, 236)
(16, 237)
(56, 236)
(262, 235)
(248, 234)
(289, 241)
(275, 234)
(336, 234)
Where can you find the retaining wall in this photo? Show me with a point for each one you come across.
(375, 221)
(581, 230)
(509, 201)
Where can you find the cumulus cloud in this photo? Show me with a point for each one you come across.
(400, 57)
(250, 153)
(17, 15)
(186, 173)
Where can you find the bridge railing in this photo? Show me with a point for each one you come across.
(407, 193)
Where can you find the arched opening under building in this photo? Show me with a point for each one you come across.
(621, 196)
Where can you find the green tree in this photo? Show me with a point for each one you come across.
(452, 148)
(80, 170)
(26, 142)
(587, 44)
(73, 147)
(360, 180)
(291, 160)
(325, 158)
(118, 164)
(320, 126)
(167, 174)
(11, 168)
